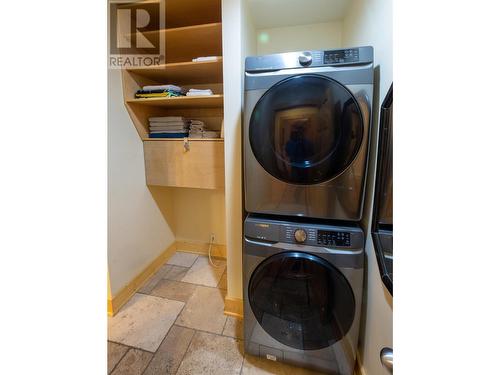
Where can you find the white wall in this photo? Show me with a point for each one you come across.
(137, 230)
(297, 38)
(369, 22)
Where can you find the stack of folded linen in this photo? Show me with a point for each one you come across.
(160, 91)
(199, 92)
(168, 127)
(196, 129)
(211, 134)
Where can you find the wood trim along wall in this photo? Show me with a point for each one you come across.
(137, 282)
(358, 368)
(116, 302)
(233, 307)
(218, 250)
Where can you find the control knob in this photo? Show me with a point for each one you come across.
(300, 235)
(305, 58)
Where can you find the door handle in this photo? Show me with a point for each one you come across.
(386, 358)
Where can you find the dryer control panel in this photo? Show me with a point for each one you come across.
(340, 56)
(309, 59)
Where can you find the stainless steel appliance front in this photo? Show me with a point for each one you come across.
(306, 133)
(302, 301)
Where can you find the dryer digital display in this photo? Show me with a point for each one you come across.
(341, 56)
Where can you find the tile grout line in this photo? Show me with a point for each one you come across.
(123, 356)
(156, 351)
(131, 347)
(150, 360)
(225, 323)
(187, 349)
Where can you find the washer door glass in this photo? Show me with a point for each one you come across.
(306, 129)
(301, 300)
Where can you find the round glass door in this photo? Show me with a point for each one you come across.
(306, 129)
(301, 300)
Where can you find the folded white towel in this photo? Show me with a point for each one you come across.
(200, 90)
(205, 58)
(211, 134)
(197, 92)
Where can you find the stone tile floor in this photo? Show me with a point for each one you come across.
(175, 324)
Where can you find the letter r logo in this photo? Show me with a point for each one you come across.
(124, 28)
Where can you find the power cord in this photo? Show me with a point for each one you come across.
(212, 238)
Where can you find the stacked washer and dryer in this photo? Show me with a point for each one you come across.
(306, 137)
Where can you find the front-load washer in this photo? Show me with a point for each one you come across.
(303, 286)
(306, 132)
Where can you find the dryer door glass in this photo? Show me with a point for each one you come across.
(301, 300)
(306, 129)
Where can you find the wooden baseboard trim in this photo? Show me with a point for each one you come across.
(128, 291)
(218, 250)
(233, 307)
(358, 368)
(110, 307)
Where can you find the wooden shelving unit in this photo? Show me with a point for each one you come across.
(193, 29)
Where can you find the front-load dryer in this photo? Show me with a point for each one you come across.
(306, 132)
(303, 284)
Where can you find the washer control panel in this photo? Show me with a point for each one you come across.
(333, 238)
(296, 234)
(303, 233)
(310, 236)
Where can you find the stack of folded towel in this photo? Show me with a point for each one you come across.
(197, 130)
(168, 127)
(199, 92)
(211, 134)
(160, 91)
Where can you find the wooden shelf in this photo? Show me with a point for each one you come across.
(182, 139)
(181, 101)
(184, 73)
(192, 12)
(182, 12)
(185, 43)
